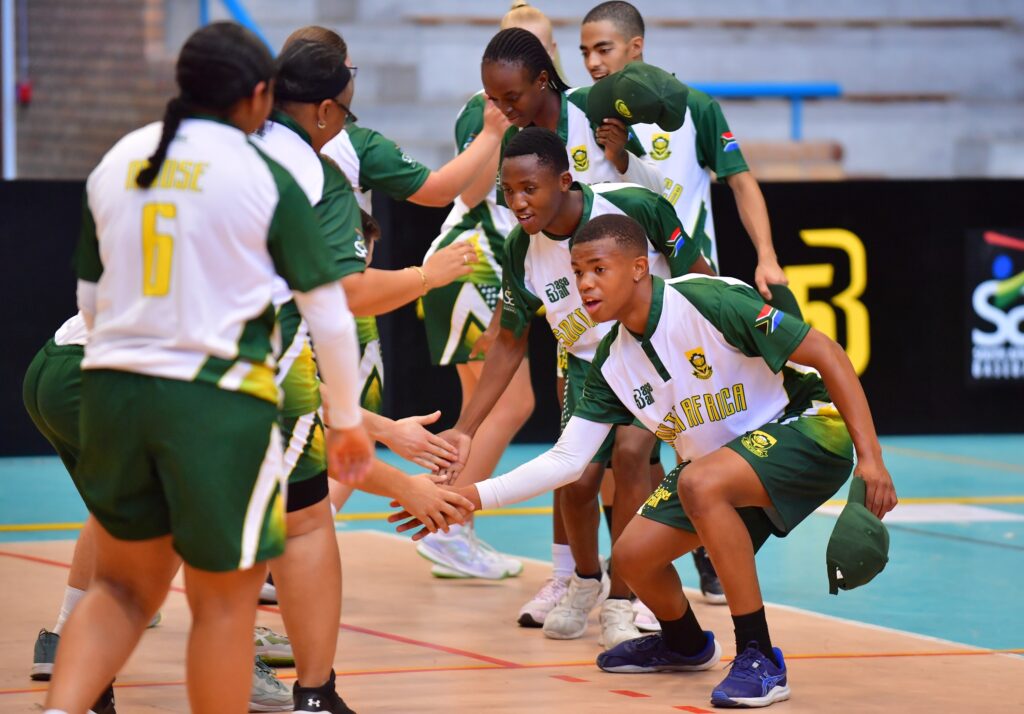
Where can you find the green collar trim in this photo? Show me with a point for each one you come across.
(653, 318)
(279, 117)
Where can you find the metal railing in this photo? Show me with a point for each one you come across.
(238, 13)
(795, 92)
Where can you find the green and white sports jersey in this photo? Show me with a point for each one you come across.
(686, 157)
(587, 161)
(711, 366)
(335, 206)
(486, 224)
(538, 268)
(185, 270)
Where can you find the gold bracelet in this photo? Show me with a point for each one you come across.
(423, 277)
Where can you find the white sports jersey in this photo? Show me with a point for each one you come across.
(186, 268)
(712, 365)
(538, 270)
(73, 332)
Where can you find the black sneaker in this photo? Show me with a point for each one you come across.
(319, 699)
(710, 587)
(43, 655)
(105, 704)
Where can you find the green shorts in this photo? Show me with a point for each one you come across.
(455, 316)
(575, 377)
(163, 456)
(798, 473)
(51, 392)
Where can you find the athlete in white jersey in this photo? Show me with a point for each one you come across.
(765, 411)
(180, 451)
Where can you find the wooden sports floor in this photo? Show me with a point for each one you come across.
(411, 643)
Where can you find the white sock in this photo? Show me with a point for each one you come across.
(562, 562)
(55, 711)
(71, 598)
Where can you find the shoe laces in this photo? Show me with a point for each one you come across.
(748, 664)
(612, 613)
(265, 672)
(553, 589)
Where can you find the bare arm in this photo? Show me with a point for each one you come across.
(410, 439)
(754, 215)
(475, 167)
(826, 356)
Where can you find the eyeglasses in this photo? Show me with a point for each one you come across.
(353, 70)
(351, 118)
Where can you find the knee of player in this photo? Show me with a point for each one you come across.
(697, 489)
(140, 604)
(630, 456)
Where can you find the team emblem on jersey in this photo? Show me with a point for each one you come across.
(758, 443)
(621, 108)
(701, 368)
(768, 319)
(579, 158)
(659, 147)
(676, 241)
(729, 142)
(508, 300)
(643, 396)
(660, 494)
(360, 245)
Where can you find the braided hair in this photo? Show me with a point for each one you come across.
(219, 65)
(626, 18)
(519, 47)
(542, 143)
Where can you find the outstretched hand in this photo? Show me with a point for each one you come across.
(462, 443)
(429, 507)
(410, 439)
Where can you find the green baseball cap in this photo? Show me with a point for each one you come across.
(639, 94)
(859, 547)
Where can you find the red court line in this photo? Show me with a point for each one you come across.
(567, 678)
(352, 628)
(692, 710)
(630, 693)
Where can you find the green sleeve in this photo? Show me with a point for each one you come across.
(598, 402)
(717, 148)
(340, 221)
(295, 240)
(87, 253)
(383, 166)
(470, 122)
(747, 323)
(660, 223)
(518, 305)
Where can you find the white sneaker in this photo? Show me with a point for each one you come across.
(439, 571)
(644, 619)
(268, 694)
(268, 593)
(463, 553)
(533, 613)
(617, 624)
(568, 619)
(274, 649)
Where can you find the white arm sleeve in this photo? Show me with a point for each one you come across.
(645, 172)
(86, 295)
(562, 464)
(333, 331)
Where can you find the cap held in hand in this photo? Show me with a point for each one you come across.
(639, 94)
(859, 547)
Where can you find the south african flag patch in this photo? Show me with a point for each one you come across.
(768, 319)
(729, 142)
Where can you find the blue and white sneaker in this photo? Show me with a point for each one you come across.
(649, 654)
(753, 680)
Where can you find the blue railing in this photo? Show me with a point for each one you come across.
(238, 13)
(795, 92)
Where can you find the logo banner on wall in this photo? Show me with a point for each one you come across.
(995, 319)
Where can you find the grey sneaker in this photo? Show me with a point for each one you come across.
(44, 654)
(464, 553)
(268, 693)
(272, 648)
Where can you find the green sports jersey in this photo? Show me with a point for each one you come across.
(173, 302)
(711, 366)
(538, 269)
(486, 224)
(687, 157)
(587, 161)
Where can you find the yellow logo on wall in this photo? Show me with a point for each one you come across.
(758, 443)
(579, 158)
(701, 368)
(621, 108)
(659, 147)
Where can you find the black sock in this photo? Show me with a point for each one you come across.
(683, 635)
(753, 627)
(628, 598)
(608, 516)
(595, 576)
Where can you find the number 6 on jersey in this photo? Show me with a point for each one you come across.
(157, 249)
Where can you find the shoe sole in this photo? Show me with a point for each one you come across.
(450, 566)
(278, 660)
(254, 707)
(714, 598)
(656, 627)
(41, 672)
(527, 620)
(445, 573)
(777, 694)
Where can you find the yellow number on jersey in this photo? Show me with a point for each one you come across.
(822, 315)
(157, 249)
